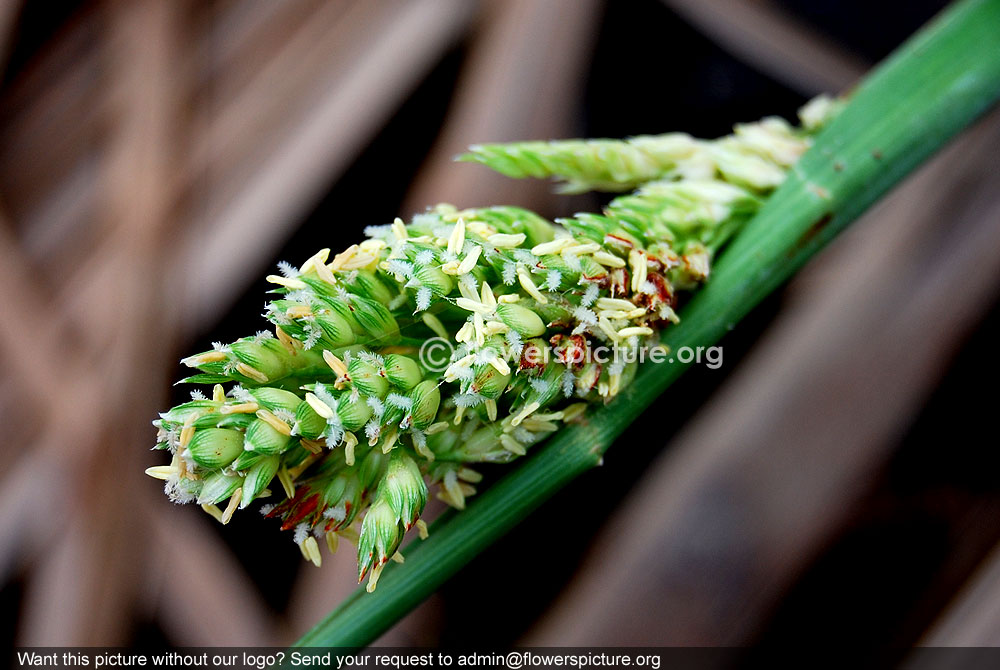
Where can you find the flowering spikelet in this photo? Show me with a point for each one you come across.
(339, 418)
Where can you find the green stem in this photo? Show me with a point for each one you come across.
(930, 89)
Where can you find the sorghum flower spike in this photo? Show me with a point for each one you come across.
(622, 165)
(336, 408)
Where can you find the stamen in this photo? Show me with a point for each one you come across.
(457, 239)
(319, 406)
(434, 324)
(241, 408)
(164, 472)
(507, 240)
(274, 422)
(528, 285)
(234, 503)
(251, 372)
(287, 282)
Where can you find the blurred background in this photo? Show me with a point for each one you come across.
(835, 481)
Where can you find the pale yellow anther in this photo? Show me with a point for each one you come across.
(299, 312)
(457, 238)
(436, 427)
(373, 578)
(469, 262)
(287, 483)
(434, 324)
(491, 409)
(635, 330)
(422, 529)
(390, 441)
(465, 333)
(614, 384)
(319, 406)
(605, 325)
(637, 261)
(372, 246)
(528, 285)
(359, 261)
(241, 408)
(581, 249)
(500, 365)
(397, 558)
(527, 411)
(636, 313)
(553, 247)
(213, 511)
(207, 357)
(495, 328)
(340, 259)
(509, 298)
(459, 413)
(324, 273)
(287, 282)
(310, 548)
(164, 472)
(608, 260)
(234, 503)
(536, 425)
(451, 485)
(336, 364)
(450, 268)
(399, 229)
(314, 261)
(473, 306)
(468, 291)
(270, 419)
(507, 240)
(470, 475)
(251, 372)
(187, 432)
(480, 228)
(549, 416)
(486, 296)
(512, 445)
(218, 393)
(423, 450)
(614, 304)
(288, 343)
(602, 389)
(332, 542)
(350, 441)
(573, 411)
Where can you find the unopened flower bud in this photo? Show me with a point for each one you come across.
(426, 400)
(378, 323)
(433, 278)
(380, 536)
(490, 383)
(402, 371)
(366, 283)
(258, 477)
(403, 488)
(354, 414)
(525, 321)
(367, 377)
(307, 422)
(217, 486)
(215, 447)
(264, 438)
(276, 399)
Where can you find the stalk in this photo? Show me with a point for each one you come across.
(931, 88)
